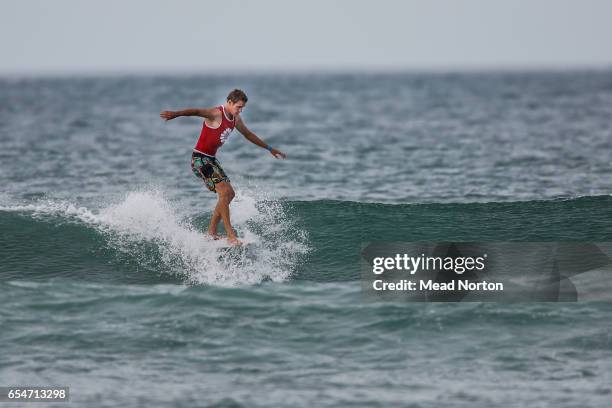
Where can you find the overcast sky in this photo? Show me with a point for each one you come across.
(71, 36)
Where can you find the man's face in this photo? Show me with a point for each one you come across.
(235, 108)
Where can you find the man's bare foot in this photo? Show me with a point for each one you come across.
(233, 241)
(214, 235)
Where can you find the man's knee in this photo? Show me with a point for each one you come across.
(228, 195)
(225, 192)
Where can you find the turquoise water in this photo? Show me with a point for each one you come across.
(109, 286)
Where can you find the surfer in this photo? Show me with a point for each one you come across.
(219, 122)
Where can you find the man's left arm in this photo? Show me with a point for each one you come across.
(252, 137)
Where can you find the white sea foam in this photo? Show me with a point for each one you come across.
(145, 225)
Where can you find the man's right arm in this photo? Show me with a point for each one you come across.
(203, 112)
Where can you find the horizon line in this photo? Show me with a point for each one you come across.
(317, 70)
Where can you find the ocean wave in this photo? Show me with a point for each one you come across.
(147, 238)
(146, 231)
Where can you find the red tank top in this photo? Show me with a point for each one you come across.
(212, 138)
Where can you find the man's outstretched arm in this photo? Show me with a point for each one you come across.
(202, 112)
(252, 137)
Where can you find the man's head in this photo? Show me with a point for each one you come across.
(236, 100)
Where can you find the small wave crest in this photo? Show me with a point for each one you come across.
(157, 232)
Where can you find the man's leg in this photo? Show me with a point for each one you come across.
(226, 194)
(214, 222)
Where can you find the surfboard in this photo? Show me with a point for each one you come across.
(236, 254)
(222, 245)
(227, 245)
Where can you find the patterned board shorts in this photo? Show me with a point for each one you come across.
(208, 169)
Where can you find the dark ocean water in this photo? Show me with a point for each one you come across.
(108, 285)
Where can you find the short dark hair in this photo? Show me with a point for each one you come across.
(237, 95)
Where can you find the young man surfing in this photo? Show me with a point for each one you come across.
(219, 122)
